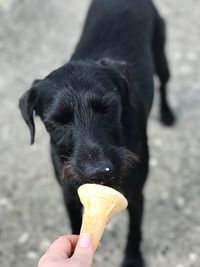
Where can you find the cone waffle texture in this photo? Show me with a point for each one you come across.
(100, 203)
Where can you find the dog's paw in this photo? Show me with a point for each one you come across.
(167, 117)
(133, 263)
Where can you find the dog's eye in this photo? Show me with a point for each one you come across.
(59, 118)
(63, 118)
(99, 107)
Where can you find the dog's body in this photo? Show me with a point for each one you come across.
(116, 31)
(96, 107)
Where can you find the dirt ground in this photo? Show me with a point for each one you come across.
(35, 38)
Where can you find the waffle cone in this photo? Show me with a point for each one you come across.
(100, 203)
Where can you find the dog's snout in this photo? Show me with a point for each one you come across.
(100, 168)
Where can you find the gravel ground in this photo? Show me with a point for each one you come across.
(35, 38)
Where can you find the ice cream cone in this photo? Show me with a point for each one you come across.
(100, 203)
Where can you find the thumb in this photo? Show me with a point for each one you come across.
(83, 253)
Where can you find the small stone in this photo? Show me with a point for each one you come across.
(185, 69)
(180, 202)
(23, 238)
(4, 201)
(153, 162)
(191, 56)
(32, 255)
(193, 257)
(158, 142)
(160, 259)
(165, 195)
(6, 4)
(44, 244)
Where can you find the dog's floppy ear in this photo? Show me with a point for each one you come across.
(27, 104)
(121, 74)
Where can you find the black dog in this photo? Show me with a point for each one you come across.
(96, 107)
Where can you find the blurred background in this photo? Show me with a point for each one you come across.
(35, 38)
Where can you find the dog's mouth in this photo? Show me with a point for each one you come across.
(102, 181)
(69, 175)
(125, 163)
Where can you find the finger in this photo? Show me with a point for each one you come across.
(83, 253)
(63, 247)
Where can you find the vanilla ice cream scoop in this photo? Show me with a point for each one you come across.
(100, 203)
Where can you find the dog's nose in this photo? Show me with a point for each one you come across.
(100, 168)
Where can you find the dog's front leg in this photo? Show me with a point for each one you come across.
(133, 256)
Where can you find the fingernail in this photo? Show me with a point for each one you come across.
(84, 241)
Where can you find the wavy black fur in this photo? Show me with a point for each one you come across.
(96, 107)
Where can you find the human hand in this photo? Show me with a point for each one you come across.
(60, 251)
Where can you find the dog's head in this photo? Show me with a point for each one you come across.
(83, 107)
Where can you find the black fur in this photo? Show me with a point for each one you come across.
(96, 107)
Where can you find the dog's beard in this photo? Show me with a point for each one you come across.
(124, 160)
